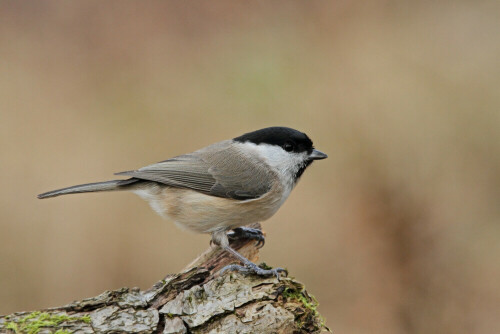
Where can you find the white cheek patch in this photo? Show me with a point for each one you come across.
(286, 164)
(276, 157)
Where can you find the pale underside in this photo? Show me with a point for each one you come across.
(207, 214)
(224, 193)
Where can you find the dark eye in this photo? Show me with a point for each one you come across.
(288, 147)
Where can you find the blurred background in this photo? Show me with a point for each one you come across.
(396, 232)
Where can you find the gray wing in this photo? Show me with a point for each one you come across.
(218, 170)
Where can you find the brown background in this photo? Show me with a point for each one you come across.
(397, 232)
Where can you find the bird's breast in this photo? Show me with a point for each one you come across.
(205, 214)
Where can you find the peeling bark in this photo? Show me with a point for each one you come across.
(196, 300)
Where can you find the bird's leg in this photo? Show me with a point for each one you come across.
(248, 233)
(220, 239)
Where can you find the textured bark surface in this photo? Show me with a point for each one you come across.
(197, 300)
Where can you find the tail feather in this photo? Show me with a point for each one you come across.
(91, 187)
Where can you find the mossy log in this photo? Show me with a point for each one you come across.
(196, 300)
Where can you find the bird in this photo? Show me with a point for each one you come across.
(222, 187)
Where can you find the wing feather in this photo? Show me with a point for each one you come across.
(220, 170)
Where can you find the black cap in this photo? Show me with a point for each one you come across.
(287, 138)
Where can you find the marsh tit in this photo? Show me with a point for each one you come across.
(221, 187)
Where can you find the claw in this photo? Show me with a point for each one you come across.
(249, 234)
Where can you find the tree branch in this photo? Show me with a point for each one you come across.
(196, 300)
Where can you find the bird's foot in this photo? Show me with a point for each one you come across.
(252, 268)
(248, 233)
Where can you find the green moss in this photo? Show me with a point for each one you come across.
(12, 326)
(33, 322)
(310, 304)
(265, 266)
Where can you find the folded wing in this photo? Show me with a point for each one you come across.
(221, 170)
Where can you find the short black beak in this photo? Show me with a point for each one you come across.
(317, 155)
